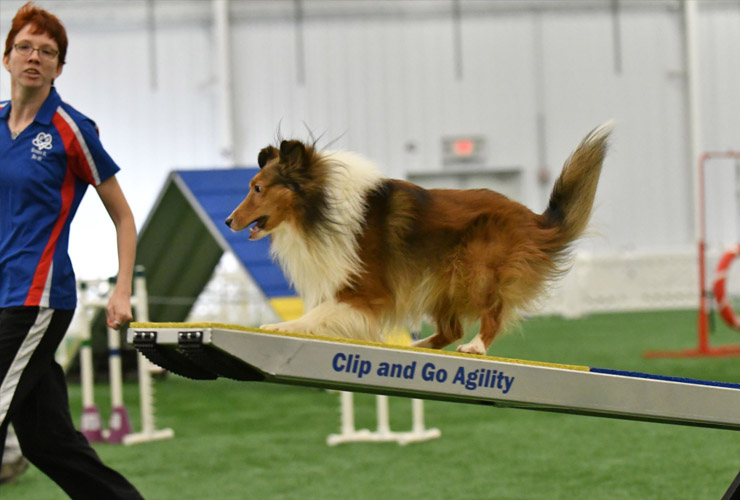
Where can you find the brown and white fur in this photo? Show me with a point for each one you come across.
(367, 253)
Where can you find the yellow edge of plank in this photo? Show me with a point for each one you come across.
(355, 342)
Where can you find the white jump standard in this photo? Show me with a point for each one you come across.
(211, 350)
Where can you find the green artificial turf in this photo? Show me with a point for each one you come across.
(259, 441)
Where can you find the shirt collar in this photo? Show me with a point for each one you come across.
(49, 108)
(45, 114)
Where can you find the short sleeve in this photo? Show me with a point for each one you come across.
(86, 156)
(94, 165)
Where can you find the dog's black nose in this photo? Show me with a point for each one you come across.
(228, 221)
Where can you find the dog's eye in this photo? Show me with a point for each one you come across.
(257, 188)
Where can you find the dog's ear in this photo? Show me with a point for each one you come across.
(266, 155)
(293, 153)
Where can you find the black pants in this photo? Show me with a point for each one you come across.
(33, 396)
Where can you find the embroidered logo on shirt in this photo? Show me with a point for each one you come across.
(42, 141)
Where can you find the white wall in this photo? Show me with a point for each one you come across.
(380, 75)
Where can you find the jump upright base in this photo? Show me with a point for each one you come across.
(212, 350)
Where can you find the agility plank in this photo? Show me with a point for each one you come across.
(212, 350)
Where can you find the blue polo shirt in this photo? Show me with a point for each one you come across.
(44, 173)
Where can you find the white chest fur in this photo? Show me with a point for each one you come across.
(320, 264)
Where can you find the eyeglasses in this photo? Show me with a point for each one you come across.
(26, 49)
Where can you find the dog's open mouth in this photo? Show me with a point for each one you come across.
(257, 230)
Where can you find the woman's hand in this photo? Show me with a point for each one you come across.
(119, 309)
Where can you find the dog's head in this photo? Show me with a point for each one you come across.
(277, 191)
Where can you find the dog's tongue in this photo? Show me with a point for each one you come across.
(253, 231)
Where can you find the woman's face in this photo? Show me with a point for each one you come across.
(33, 70)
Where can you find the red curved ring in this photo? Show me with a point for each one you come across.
(720, 288)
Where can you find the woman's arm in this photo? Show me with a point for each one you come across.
(119, 305)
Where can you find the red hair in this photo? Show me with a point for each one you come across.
(42, 22)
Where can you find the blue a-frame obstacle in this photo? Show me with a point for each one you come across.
(184, 237)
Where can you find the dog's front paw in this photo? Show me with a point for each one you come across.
(474, 347)
(278, 327)
(286, 327)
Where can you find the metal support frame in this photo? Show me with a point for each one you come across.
(703, 348)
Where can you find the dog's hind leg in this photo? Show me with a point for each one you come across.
(449, 330)
(491, 322)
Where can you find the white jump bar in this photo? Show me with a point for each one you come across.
(210, 350)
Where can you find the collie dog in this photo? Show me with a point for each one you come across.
(367, 253)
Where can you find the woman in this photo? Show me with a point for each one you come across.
(49, 153)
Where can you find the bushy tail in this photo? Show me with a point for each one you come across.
(572, 197)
